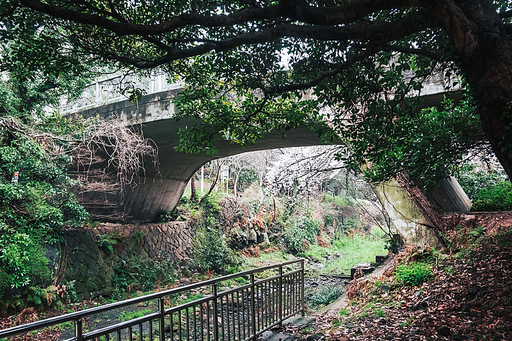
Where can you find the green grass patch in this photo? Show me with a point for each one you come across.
(355, 249)
(325, 296)
(380, 313)
(413, 274)
(130, 315)
(344, 311)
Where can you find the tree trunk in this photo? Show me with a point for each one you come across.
(212, 185)
(485, 51)
(236, 184)
(193, 192)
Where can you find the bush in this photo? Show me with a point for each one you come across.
(211, 251)
(325, 295)
(300, 233)
(494, 198)
(210, 203)
(35, 203)
(163, 216)
(413, 274)
(141, 273)
(350, 223)
(472, 182)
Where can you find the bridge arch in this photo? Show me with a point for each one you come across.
(162, 188)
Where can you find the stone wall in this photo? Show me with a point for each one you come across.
(89, 256)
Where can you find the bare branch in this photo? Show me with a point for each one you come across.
(124, 149)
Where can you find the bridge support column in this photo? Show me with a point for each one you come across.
(143, 201)
(416, 222)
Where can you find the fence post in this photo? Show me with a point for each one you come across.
(280, 295)
(215, 313)
(302, 286)
(253, 307)
(78, 330)
(161, 322)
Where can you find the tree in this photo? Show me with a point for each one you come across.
(362, 57)
(302, 171)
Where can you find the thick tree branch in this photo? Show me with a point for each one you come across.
(125, 28)
(346, 14)
(507, 14)
(296, 10)
(377, 33)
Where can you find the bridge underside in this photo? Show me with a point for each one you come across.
(162, 188)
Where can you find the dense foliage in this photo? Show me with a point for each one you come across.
(413, 274)
(300, 233)
(34, 207)
(267, 65)
(211, 252)
(489, 190)
(35, 202)
(494, 198)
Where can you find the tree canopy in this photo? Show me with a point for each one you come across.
(255, 65)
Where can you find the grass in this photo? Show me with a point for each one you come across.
(130, 315)
(380, 313)
(355, 249)
(344, 311)
(266, 259)
(325, 296)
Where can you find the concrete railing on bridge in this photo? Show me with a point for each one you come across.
(115, 88)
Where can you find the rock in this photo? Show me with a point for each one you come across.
(184, 280)
(186, 272)
(426, 320)
(420, 305)
(474, 290)
(365, 268)
(381, 320)
(185, 261)
(385, 287)
(315, 337)
(253, 236)
(444, 331)
(265, 239)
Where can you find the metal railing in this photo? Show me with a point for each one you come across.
(237, 314)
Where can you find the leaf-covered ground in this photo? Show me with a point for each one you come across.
(468, 298)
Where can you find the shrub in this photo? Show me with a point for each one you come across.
(413, 274)
(350, 223)
(34, 205)
(494, 198)
(300, 233)
(210, 203)
(141, 273)
(325, 295)
(211, 251)
(163, 216)
(472, 182)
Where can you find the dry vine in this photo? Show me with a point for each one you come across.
(123, 150)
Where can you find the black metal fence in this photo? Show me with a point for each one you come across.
(266, 297)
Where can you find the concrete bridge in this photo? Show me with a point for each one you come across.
(162, 188)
